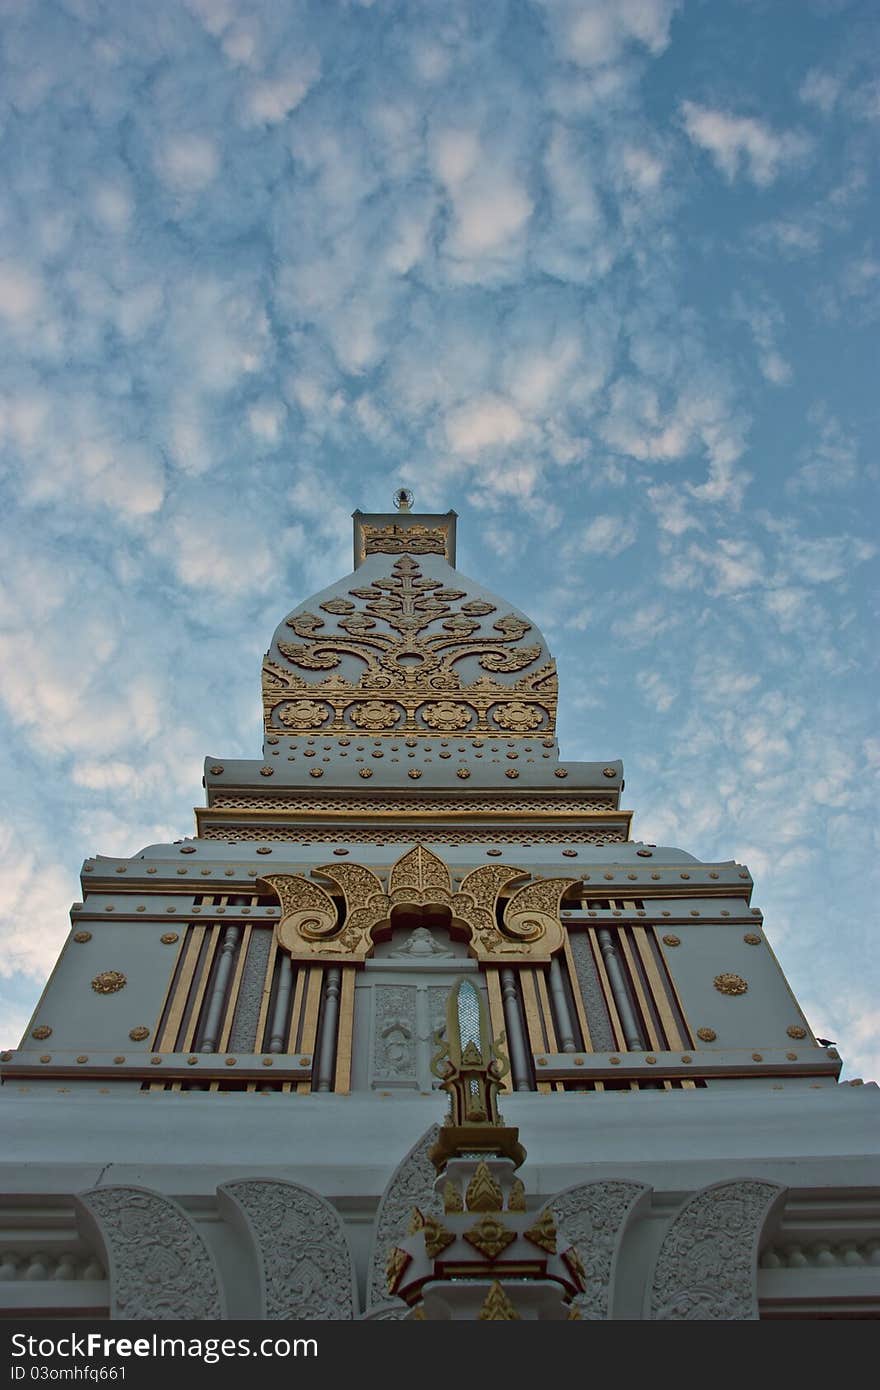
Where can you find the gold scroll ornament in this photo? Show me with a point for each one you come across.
(407, 633)
(312, 926)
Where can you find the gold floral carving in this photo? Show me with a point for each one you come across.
(752, 939)
(706, 1034)
(543, 1233)
(407, 640)
(108, 982)
(795, 1031)
(498, 1307)
(576, 1266)
(517, 717)
(312, 926)
(437, 1237)
(139, 1034)
(375, 715)
(532, 914)
(452, 1201)
(483, 1192)
(397, 1262)
(728, 983)
(516, 1199)
(303, 714)
(404, 540)
(395, 835)
(44, 1031)
(448, 716)
(416, 1221)
(490, 1235)
(82, 936)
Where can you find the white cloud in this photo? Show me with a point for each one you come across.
(272, 99)
(607, 535)
(595, 33)
(744, 144)
(820, 89)
(188, 163)
(21, 293)
(488, 422)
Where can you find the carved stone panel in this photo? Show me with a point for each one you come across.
(707, 1266)
(300, 1247)
(594, 1217)
(410, 1185)
(243, 1037)
(395, 1036)
(159, 1266)
(590, 985)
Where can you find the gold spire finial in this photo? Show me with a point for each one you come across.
(470, 1067)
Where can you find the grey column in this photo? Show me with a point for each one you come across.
(219, 990)
(519, 1063)
(329, 1028)
(278, 1026)
(617, 980)
(562, 1014)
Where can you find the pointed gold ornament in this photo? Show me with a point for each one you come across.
(416, 1222)
(437, 1237)
(576, 1266)
(452, 1198)
(490, 1236)
(483, 1192)
(516, 1200)
(498, 1307)
(543, 1233)
(397, 1262)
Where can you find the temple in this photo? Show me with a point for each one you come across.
(411, 1027)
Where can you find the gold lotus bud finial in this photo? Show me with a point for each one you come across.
(403, 499)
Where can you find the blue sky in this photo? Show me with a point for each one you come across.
(602, 275)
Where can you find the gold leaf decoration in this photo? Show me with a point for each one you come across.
(728, 983)
(490, 1235)
(108, 982)
(543, 1233)
(437, 1237)
(516, 1199)
(498, 1307)
(483, 1192)
(407, 641)
(452, 1198)
(397, 1262)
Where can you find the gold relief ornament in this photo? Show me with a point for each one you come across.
(311, 925)
(447, 715)
(518, 717)
(483, 1192)
(452, 1201)
(108, 982)
(44, 1031)
(404, 540)
(375, 714)
(728, 983)
(498, 1307)
(707, 1034)
(302, 714)
(437, 1237)
(543, 1232)
(490, 1235)
(795, 1031)
(139, 1034)
(397, 1262)
(415, 665)
(516, 1199)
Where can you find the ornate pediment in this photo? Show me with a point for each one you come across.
(314, 926)
(396, 656)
